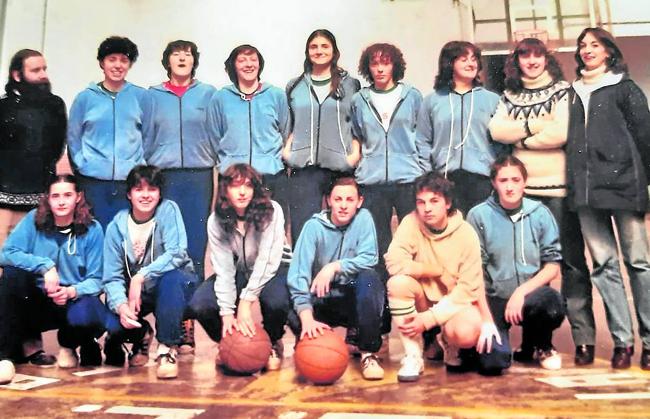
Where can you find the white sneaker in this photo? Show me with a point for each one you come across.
(67, 358)
(549, 359)
(411, 369)
(7, 371)
(275, 360)
(371, 369)
(167, 365)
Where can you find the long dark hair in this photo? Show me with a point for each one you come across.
(259, 211)
(449, 53)
(615, 62)
(335, 70)
(525, 47)
(82, 212)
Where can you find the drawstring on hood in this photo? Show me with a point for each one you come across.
(451, 130)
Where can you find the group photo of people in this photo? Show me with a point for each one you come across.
(345, 198)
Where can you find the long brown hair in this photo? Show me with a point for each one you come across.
(523, 48)
(259, 211)
(449, 53)
(82, 212)
(615, 62)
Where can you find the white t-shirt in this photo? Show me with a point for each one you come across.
(385, 103)
(321, 89)
(139, 234)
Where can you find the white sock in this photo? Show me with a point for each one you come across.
(412, 346)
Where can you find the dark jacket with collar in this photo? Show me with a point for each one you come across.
(608, 148)
(32, 134)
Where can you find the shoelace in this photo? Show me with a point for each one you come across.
(170, 358)
(367, 360)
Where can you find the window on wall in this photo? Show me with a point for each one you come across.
(557, 21)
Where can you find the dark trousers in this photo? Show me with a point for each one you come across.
(576, 283)
(275, 305)
(26, 311)
(277, 185)
(192, 190)
(107, 197)
(470, 189)
(307, 187)
(166, 297)
(356, 304)
(543, 312)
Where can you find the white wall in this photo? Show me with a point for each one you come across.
(74, 28)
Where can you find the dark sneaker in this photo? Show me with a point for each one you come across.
(90, 354)
(622, 357)
(114, 352)
(41, 359)
(584, 355)
(524, 355)
(187, 338)
(645, 359)
(140, 351)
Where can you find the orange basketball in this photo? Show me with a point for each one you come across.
(322, 360)
(244, 354)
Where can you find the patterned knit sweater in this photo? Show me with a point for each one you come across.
(535, 122)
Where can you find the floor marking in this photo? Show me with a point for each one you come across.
(100, 370)
(396, 408)
(346, 415)
(87, 408)
(595, 380)
(292, 415)
(613, 396)
(28, 382)
(158, 412)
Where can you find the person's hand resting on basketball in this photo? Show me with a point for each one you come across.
(245, 323)
(311, 327)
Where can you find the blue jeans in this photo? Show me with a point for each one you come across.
(576, 285)
(192, 190)
(166, 297)
(356, 304)
(107, 197)
(275, 304)
(26, 311)
(606, 274)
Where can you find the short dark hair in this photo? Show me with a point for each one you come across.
(525, 47)
(507, 160)
(230, 61)
(17, 63)
(150, 174)
(449, 53)
(436, 183)
(384, 50)
(180, 45)
(615, 62)
(342, 180)
(117, 45)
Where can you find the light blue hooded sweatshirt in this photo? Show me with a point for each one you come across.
(453, 134)
(387, 156)
(178, 137)
(322, 132)
(105, 134)
(514, 251)
(249, 131)
(321, 242)
(166, 250)
(78, 259)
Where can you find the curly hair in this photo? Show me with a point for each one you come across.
(117, 45)
(526, 47)
(180, 45)
(245, 49)
(449, 53)
(259, 211)
(436, 183)
(615, 62)
(82, 212)
(390, 51)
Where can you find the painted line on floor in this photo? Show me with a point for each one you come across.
(395, 408)
(96, 371)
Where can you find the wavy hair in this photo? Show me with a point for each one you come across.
(383, 50)
(615, 62)
(82, 212)
(525, 47)
(436, 183)
(259, 211)
(449, 53)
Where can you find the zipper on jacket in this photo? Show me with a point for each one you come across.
(180, 117)
(586, 115)
(250, 132)
(399, 103)
(341, 244)
(243, 241)
(311, 92)
(514, 249)
(113, 175)
(462, 134)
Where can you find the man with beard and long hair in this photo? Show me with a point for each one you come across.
(32, 133)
